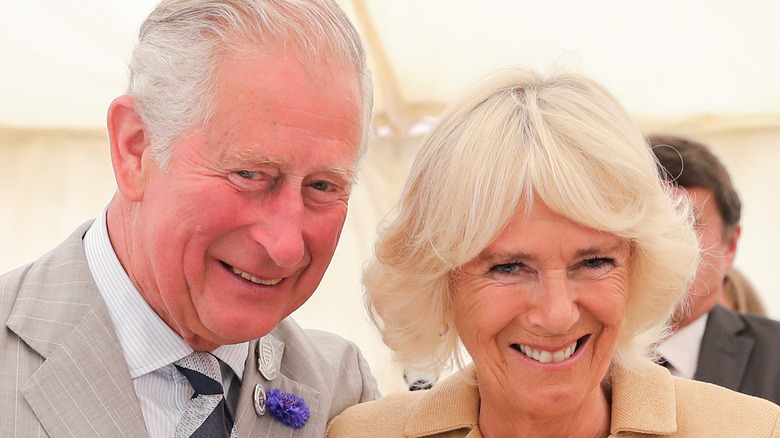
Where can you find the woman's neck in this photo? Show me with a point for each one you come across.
(504, 420)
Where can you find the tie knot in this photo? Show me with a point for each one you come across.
(203, 372)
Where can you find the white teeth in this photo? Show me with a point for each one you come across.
(254, 279)
(544, 356)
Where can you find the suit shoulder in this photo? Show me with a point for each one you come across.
(763, 325)
(328, 347)
(704, 409)
(10, 284)
(333, 346)
(384, 418)
(67, 256)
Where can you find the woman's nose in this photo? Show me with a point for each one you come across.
(555, 309)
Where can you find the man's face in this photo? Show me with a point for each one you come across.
(717, 255)
(238, 232)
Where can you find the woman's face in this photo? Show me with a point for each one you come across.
(539, 310)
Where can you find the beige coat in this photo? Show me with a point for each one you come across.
(649, 403)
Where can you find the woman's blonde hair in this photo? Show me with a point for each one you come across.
(519, 134)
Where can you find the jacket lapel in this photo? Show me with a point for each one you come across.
(725, 350)
(83, 387)
(643, 401)
(249, 423)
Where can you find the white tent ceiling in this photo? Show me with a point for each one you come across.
(63, 62)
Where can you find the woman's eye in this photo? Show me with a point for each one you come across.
(506, 268)
(598, 262)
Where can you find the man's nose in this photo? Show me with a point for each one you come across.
(555, 309)
(279, 227)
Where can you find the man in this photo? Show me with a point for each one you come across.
(234, 152)
(711, 343)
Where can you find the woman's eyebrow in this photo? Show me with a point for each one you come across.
(503, 257)
(598, 250)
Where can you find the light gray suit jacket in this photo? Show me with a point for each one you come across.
(742, 353)
(63, 374)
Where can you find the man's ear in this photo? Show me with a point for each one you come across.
(731, 247)
(129, 139)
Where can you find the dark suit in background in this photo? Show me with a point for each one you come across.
(741, 352)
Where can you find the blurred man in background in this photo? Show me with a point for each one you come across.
(711, 343)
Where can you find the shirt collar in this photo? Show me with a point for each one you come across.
(146, 340)
(681, 349)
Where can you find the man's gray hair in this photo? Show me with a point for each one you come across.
(180, 44)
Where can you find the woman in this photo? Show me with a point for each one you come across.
(534, 230)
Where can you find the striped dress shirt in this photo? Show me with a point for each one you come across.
(150, 347)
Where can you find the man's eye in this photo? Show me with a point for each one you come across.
(250, 180)
(246, 174)
(322, 186)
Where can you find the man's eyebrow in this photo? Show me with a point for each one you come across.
(346, 174)
(248, 156)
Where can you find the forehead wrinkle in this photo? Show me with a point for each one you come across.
(355, 145)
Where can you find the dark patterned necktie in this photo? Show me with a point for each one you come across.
(207, 414)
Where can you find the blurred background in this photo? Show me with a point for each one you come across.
(707, 69)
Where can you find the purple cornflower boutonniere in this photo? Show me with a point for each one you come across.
(287, 408)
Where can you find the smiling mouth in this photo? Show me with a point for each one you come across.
(544, 356)
(254, 279)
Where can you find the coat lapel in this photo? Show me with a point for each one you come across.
(452, 405)
(725, 350)
(643, 401)
(83, 387)
(249, 423)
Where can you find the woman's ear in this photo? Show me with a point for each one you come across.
(128, 139)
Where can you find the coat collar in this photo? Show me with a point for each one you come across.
(450, 405)
(60, 315)
(643, 401)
